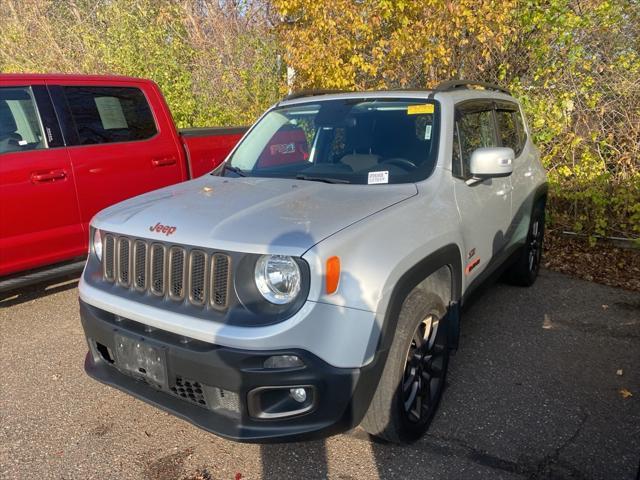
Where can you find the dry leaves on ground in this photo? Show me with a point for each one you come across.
(602, 263)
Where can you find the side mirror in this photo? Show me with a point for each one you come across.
(489, 162)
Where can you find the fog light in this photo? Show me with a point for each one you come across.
(299, 394)
(280, 402)
(283, 361)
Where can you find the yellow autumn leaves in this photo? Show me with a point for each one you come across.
(390, 44)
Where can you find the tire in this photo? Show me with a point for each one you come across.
(420, 352)
(525, 269)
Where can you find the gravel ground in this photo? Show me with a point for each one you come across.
(534, 392)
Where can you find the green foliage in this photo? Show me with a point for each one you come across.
(147, 39)
(579, 87)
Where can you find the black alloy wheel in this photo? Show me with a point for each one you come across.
(534, 247)
(423, 377)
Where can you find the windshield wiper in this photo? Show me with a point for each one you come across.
(301, 176)
(236, 170)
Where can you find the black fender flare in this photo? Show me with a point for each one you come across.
(540, 194)
(446, 256)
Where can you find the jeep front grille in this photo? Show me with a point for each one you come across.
(219, 280)
(157, 269)
(109, 258)
(124, 261)
(140, 265)
(198, 277)
(176, 273)
(169, 271)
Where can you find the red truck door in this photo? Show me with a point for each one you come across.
(121, 141)
(39, 216)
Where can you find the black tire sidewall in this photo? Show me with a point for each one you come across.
(519, 273)
(413, 431)
(538, 214)
(416, 307)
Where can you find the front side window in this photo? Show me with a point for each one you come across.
(20, 127)
(473, 129)
(365, 140)
(110, 114)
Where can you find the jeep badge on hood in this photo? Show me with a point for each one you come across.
(160, 228)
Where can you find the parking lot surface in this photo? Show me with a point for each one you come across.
(546, 384)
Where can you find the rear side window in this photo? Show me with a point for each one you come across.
(20, 127)
(110, 114)
(508, 129)
(511, 126)
(473, 129)
(522, 133)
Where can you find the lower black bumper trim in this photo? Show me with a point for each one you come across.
(343, 395)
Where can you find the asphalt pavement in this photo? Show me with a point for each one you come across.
(546, 385)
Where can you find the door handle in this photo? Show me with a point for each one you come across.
(52, 176)
(163, 162)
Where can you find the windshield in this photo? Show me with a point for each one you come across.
(364, 141)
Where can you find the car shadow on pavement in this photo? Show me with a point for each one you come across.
(294, 460)
(39, 290)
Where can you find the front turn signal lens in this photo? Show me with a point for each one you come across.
(333, 275)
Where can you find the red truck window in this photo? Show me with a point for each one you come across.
(110, 114)
(287, 146)
(20, 127)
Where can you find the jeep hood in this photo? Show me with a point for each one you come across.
(254, 215)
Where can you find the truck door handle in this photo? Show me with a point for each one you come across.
(163, 162)
(52, 176)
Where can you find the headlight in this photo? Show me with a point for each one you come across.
(277, 278)
(97, 243)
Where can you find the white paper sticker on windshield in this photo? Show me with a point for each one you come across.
(427, 132)
(378, 177)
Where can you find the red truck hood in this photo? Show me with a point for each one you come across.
(254, 215)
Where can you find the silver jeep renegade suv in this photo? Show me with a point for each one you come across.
(313, 282)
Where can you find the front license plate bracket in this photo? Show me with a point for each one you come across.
(138, 358)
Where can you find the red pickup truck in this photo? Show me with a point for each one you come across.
(71, 145)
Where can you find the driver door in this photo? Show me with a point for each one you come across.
(485, 206)
(39, 216)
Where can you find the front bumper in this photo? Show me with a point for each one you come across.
(226, 376)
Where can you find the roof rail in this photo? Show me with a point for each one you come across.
(456, 84)
(311, 93)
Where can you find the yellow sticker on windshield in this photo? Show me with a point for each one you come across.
(418, 109)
